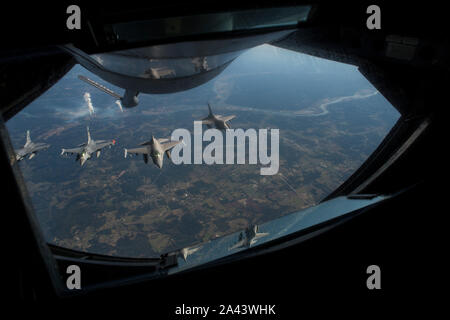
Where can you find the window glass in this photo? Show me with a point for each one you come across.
(208, 23)
(329, 118)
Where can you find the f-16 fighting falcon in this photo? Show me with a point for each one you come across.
(154, 148)
(30, 148)
(185, 252)
(248, 237)
(218, 121)
(85, 150)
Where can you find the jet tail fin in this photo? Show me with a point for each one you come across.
(28, 137)
(88, 134)
(210, 111)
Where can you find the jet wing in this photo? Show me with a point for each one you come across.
(239, 244)
(226, 118)
(257, 237)
(102, 145)
(72, 151)
(161, 140)
(169, 145)
(141, 150)
(41, 147)
(207, 121)
(260, 235)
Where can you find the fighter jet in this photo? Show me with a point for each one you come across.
(218, 121)
(248, 237)
(154, 148)
(30, 148)
(85, 150)
(185, 252)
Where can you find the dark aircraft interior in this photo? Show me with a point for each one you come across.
(407, 60)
